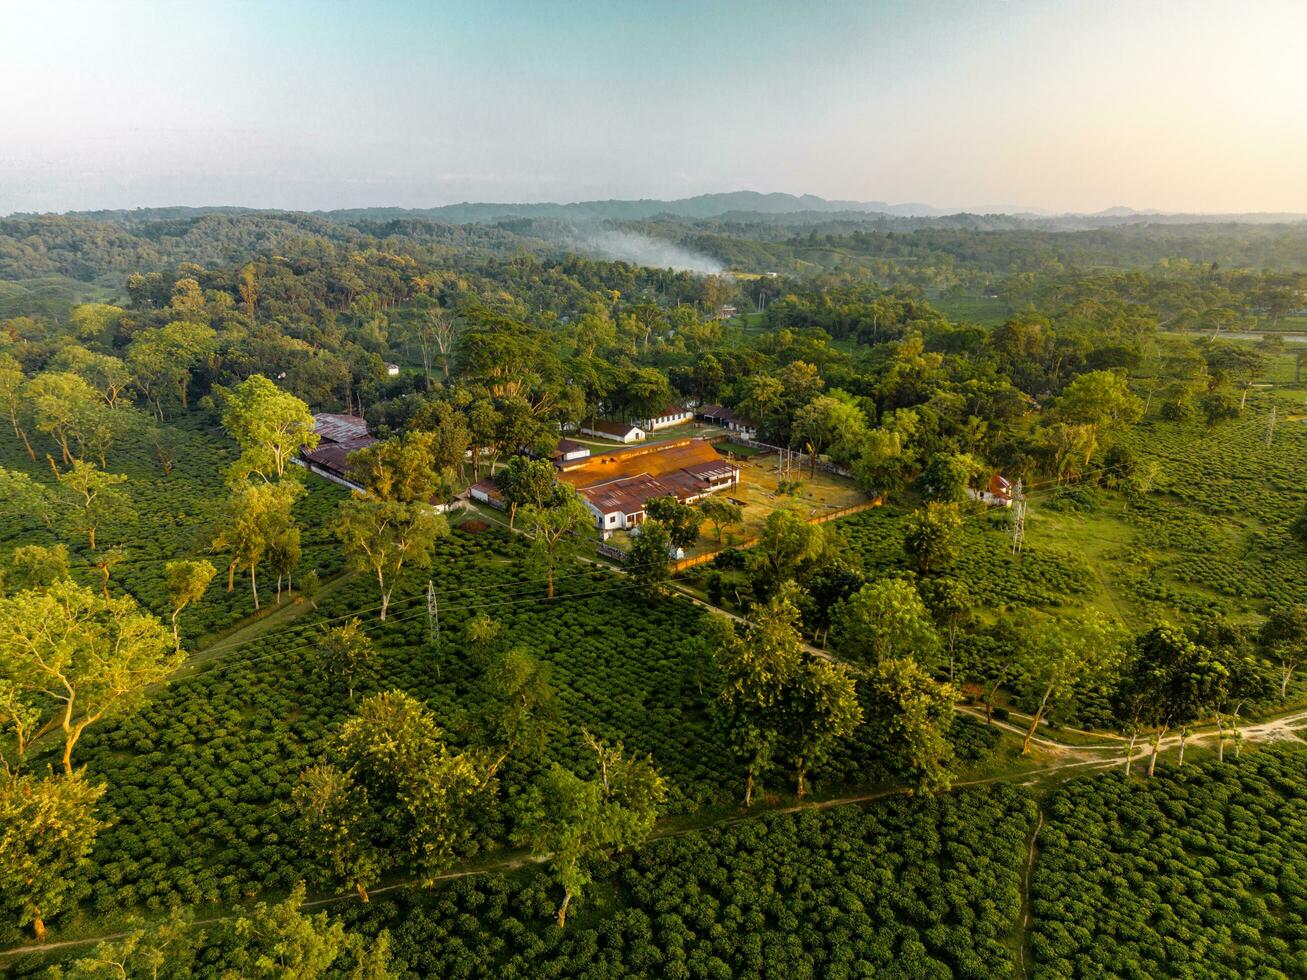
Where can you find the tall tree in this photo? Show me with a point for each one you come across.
(60, 403)
(650, 557)
(557, 530)
(721, 513)
(527, 481)
(185, 581)
(345, 652)
(1098, 400)
(78, 657)
(785, 544)
(167, 947)
(885, 620)
(1060, 657)
(574, 822)
(383, 536)
(932, 536)
(1168, 682)
(13, 398)
(909, 714)
(334, 813)
(270, 426)
(257, 515)
(830, 422)
(821, 710)
(47, 829)
(418, 790)
(1284, 639)
(950, 604)
(517, 711)
(91, 498)
(281, 942)
(681, 520)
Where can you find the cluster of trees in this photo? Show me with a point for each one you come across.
(396, 798)
(69, 659)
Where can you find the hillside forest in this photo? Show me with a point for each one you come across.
(257, 723)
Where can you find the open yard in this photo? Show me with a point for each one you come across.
(817, 495)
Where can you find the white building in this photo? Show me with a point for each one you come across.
(623, 432)
(668, 417)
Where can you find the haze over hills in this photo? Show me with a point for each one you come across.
(734, 205)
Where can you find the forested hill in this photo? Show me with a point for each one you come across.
(749, 234)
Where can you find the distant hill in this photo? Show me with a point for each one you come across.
(733, 205)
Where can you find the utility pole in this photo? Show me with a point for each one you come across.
(433, 622)
(1270, 427)
(1018, 518)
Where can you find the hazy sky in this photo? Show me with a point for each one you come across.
(1194, 106)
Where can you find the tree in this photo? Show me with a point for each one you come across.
(1060, 657)
(34, 566)
(47, 829)
(60, 403)
(518, 711)
(280, 941)
(831, 421)
(344, 652)
(933, 536)
(333, 811)
(257, 516)
(757, 669)
(822, 710)
(107, 374)
(909, 713)
(23, 495)
(78, 657)
(950, 604)
(721, 513)
(13, 398)
(162, 358)
(557, 530)
(91, 498)
(575, 822)
(1169, 681)
(284, 555)
(270, 426)
(681, 520)
(402, 469)
(947, 476)
(650, 557)
(526, 481)
(1098, 400)
(785, 543)
(1284, 639)
(418, 790)
(170, 944)
(882, 468)
(1239, 676)
(885, 620)
(186, 582)
(382, 536)
(95, 321)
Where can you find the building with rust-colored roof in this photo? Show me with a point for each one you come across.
(338, 436)
(616, 486)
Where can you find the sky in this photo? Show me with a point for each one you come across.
(1197, 106)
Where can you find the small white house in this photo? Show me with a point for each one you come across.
(668, 417)
(997, 494)
(392, 370)
(623, 432)
(569, 451)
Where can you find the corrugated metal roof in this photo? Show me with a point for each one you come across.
(339, 428)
